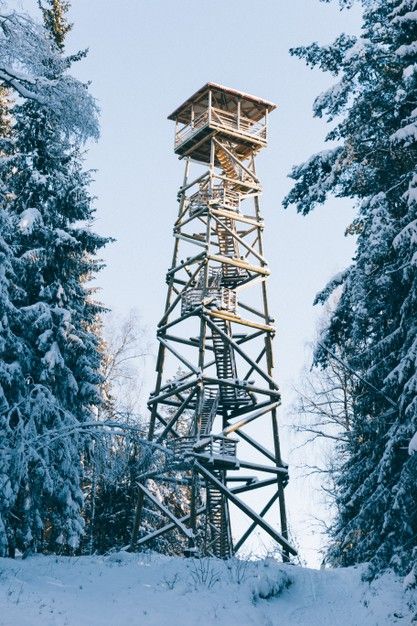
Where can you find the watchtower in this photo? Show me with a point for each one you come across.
(216, 421)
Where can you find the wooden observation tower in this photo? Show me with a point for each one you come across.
(216, 419)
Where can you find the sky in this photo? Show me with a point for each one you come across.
(145, 58)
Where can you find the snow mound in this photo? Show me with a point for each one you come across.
(412, 446)
(28, 219)
(135, 589)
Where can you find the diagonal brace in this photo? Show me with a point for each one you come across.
(187, 531)
(246, 509)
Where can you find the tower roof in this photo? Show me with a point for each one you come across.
(252, 107)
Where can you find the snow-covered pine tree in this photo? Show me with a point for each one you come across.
(54, 257)
(372, 108)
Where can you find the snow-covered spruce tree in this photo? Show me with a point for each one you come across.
(373, 161)
(54, 257)
(12, 348)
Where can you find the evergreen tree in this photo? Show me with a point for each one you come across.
(373, 113)
(12, 349)
(32, 66)
(54, 256)
(54, 17)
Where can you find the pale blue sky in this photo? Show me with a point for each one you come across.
(145, 58)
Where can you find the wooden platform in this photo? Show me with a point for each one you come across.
(215, 110)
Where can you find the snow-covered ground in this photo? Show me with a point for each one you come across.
(153, 590)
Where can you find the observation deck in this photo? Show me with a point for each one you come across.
(215, 110)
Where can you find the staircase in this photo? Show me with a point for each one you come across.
(226, 367)
(226, 163)
(234, 173)
(225, 362)
(220, 543)
(229, 247)
(208, 412)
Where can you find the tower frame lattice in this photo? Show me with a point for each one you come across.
(222, 343)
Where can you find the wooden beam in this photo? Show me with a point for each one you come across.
(192, 240)
(177, 522)
(256, 484)
(173, 391)
(166, 528)
(235, 236)
(255, 444)
(238, 217)
(249, 418)
(189, 261)
(179, 356)
(251, 309)
(267, 391)
(257, 361)
(246, 509)
(244, 356)
(177, 415)
(264, 468)
(187, 342)
(252, 527)
(179, 319)
(229, 317)
(251, 337)
(239, 263)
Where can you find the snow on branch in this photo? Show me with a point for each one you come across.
(337, 280)
(411, 16)
(412, 446)
(35, 69)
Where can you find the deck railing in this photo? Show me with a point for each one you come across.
(219, 118)
(241, 124)
(186, 131)
(212, 447)
(217, 446)
(217, 195)
(221, 298)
